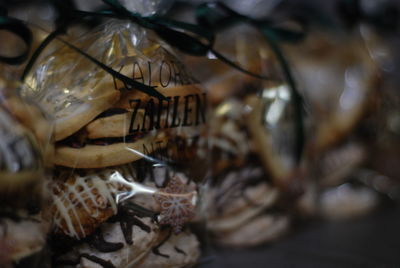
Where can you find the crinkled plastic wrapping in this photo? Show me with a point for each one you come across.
(339, 80)
(25, 154)
(130, 167)
(251, 140)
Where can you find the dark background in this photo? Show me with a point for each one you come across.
(371, 241)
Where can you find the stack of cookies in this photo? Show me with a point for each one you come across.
(246, 202)
(128, 165)
(246, 207)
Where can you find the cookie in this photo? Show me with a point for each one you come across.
(226, 131)
(166, 115)
(74, 108)
(117, 125)
(118, 153)
(259, 230)
(236, 194)
(336, 164)
(117, 244)
(81, 203)
(232, 222)
(241, 196)
(83, 199)
(347, 201)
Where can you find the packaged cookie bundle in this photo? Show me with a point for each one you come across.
(25, 153)
(130, 164)
(339, 80)
(250, 141)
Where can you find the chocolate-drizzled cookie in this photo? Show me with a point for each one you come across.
(120, 242)
(244, 206)
(241, 209)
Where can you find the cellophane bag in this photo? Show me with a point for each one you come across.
(339, 79)
(130, 167)
(25, 163)
(251, 141)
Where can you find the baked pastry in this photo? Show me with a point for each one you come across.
(24, 150)
(244, 204)
(106, 214)
(120, 243)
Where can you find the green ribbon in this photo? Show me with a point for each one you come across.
(18, 28)
(188, 38)
(197, 40)
(217, 16)
(66, 21)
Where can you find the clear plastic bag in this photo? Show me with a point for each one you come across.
(251, 140)
(130, 167)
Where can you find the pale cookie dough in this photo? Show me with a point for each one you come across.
(262, 229)
(97, 156)
(180, 250)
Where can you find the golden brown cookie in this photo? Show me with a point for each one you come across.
(97, 156)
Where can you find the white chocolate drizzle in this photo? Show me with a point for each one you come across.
(93, 193)
(90, 193)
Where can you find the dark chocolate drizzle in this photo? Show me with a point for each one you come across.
(127, 221)
(156, 249)
(104, 263)
(101, 245)
(180, 250)
(128, 216)
(111, 112)
(126, 227)
(77, 142)
(134, 209)
(108, 141)
(74, 141)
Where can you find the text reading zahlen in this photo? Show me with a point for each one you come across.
(176, 111)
